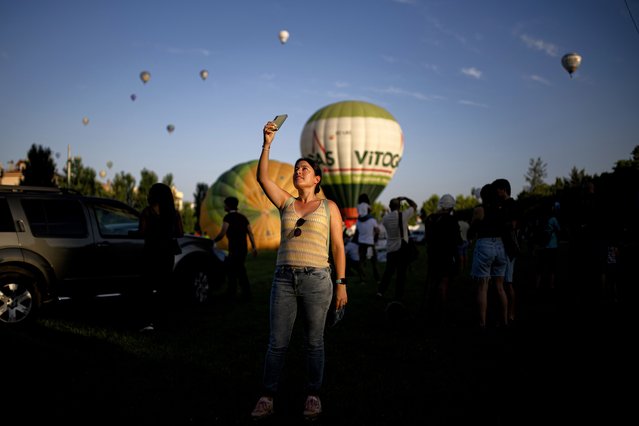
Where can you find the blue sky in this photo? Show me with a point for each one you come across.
(476, 86)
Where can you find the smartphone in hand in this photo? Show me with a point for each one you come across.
(279, 120)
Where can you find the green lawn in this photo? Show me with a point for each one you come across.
(83, 364)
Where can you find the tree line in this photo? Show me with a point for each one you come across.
(619, 187)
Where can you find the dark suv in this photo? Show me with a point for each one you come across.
(56, 244)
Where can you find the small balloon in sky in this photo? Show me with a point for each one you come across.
(133, 96)
(109, 164)
(145, 76)
(570, 62)
(284, 35)
(102, 174)
(170, 128)
(85, 120)
(204, 74)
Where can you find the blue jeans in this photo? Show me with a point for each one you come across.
(310, 289)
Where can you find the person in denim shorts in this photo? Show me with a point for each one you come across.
(489, 255)
(310, 228)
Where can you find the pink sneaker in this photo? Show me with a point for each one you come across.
(312, 407)
(263, 408)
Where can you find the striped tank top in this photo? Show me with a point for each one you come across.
(310, 248)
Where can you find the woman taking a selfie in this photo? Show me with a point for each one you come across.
(310, 226)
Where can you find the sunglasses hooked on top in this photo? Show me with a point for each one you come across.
(298, 230)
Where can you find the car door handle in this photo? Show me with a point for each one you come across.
(20, 225)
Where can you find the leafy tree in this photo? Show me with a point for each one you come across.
(201, 189)
(40, 167)
(83, 179)
(430, 206)
(188, 218)
(463, 202)
(633, 163)
(123, 188)
(536, 174)
(577, 177)
(168, 180)
(147, 179)
(378, 210)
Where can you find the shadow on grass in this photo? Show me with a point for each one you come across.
(566, 361)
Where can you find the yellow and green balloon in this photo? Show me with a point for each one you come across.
(359, 146)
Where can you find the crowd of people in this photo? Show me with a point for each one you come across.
(318, 255)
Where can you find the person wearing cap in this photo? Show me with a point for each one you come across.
(442, 237)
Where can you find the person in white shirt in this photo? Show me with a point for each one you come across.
(395, 262)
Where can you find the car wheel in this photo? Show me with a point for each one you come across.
(198, 282)
(198, 286)
(19, 297)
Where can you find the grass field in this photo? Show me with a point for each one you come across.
(565, 363)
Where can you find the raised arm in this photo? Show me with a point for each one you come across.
(277, 195)
(411, 203)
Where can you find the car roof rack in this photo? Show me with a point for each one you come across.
(34, 189)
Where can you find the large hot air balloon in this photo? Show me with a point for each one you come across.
(570, 62)
(170, 128)
(241, 182)
(145, 76)
(284, 35)
(359, 145)
(85, 120)
(204, 74)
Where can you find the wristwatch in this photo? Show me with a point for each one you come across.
(341, 281)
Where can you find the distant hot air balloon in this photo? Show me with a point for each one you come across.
(240, 182)
(145, 76)
(85, 120)
(570, 62)
(102, 174)
(133, 97)
(204, 74)
(170, 128)
(284, 35)
(359, 146)
(109, 164)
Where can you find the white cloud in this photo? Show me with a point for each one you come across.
(472, 72)
(538, 44)
(392, 90)
(389, 59)
(539, 79)
(341, 84)
(190, 51)
(431, 67)
(472, 103)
